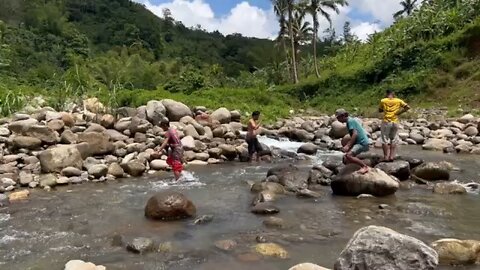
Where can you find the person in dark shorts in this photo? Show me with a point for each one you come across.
(254, 146)
(175, 153)
(358, 142)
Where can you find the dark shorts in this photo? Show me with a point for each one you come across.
(253, 146)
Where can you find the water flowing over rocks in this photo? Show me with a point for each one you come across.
(169, 206)
(380, 248)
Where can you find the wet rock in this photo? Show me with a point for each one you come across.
(264, 196)
(48, 180)
(18, 195)
(98, 170)
(169, 206)
(308, 149)
(222, 115)
(203, 219)
(307, 266)
(271, 250)
(275, 222)
(432, 171)
(306, 193)
(134, 168)
(4, 200)
(290, 177)
(25, 178)
(375, 247)
(140, 245)
(457, 252)
(400, 169)
(437, 144)
(198, 163)
(175, 110)
(228, 151)
(375, 182)
(26, 142)
(60, 157)
(268, 186)
(320, 175)
(226, 245)
(333, 164)
(449, 188)
(165, 247)
(81, 265)
(264, 208)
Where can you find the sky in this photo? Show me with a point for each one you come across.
(255, 18)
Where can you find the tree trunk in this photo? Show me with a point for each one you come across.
(287, 58)
(315, 30)
(292, 41)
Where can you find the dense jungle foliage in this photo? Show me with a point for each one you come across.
(120, 52)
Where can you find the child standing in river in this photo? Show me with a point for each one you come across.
(254, 146)
(175, 152)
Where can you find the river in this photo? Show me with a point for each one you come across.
(81, 222)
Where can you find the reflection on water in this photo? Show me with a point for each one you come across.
(80, 222)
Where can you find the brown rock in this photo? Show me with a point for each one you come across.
(169, 205)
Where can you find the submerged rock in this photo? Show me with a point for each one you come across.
(380, 248)
(169, 205)
(457, 252)
(271, 250)
(432, 171)
(449, 188)
(226, 245)
(351, 183)
(141, 245)
(203, 219)
(18, 195)
(264, 208)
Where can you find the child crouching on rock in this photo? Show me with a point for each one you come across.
(358, 142)
(175, 152)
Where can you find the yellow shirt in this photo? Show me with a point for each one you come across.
(390, 108)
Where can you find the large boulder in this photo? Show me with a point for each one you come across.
(471, 131)
(176, 110)
(432, 171)
(188, 143)
(437, 144)
(376, 182)
(155, 111)
(229, 151)
(222, 115)
(169, 205)
(60, 157)
(338, 130)
(290, 177)
(139, 125)
(400, 169)
(99, 143)
(380, 248)
(457, 252)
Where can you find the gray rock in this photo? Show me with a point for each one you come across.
(290, 177)
(449, 188)
(191, 131)
(68, 137)
(471, 131)
(155, 111)
(381, 248)
(25, 178)
(116, 135)
(22, 125)
(437, 144)
(98, 143)
(139, 125)
(222, 115)
(116, 170)
(98, 170)
(123, 124)
(431, 171)
(169, 205)
(71, 171)
(4, 132)
(134, 168)
(265, 209)
(48, 180)
(188, 143)
(338, 130)
(203, 219)
(141, 245)
(26, 142)
(308, 149)
(4, 200)
(306, 193)
(107, 121)
(159, 164)
(351, 183)
(60, 157)
(176, 110)
(63, 180)
(400, 169)
(56, 125)
(90, 162)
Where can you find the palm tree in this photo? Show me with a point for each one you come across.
(301, 28)
(407, 8)
(281, 10)
(290, 9)
(314, 7)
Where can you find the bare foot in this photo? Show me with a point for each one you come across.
(363, 170)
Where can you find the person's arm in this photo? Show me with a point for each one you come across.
(352, 141)
(258, 124)
(164, 144)
(380, 107)
(405, 108)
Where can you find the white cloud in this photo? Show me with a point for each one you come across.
(252, 21)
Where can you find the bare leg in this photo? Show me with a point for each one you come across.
(351, 159)
(386, 151)
(177, 175)
(393, 148)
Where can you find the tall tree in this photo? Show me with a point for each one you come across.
(407, 8)
(348, 37)
(291, 4)
(315, 7)
(302, 29)
(281, 11)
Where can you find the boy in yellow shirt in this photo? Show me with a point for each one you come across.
(391, 107)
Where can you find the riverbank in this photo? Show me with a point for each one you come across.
(44, 148)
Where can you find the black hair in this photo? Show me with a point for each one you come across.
(255, 113)
(389, 92)
(165, 122)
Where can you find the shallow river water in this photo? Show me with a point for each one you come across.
(81, 222)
